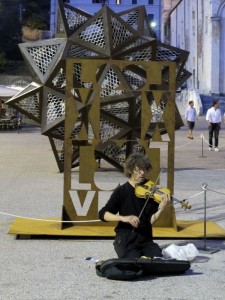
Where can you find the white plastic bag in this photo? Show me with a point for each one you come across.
(188, 252)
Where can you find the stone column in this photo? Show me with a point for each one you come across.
(167, 7)
(215, 49)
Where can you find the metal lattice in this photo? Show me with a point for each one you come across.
(119, 110)
(42, 56)
(74, 19)
(135, 80)
(55, 108)
(110, 84)
(59, 81)
(31, 105)
(94, 34)
(77, 51)
(120, 33)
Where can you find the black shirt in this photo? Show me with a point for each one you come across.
(124, 201)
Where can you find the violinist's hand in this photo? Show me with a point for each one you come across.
(165, 201)
(133, 220)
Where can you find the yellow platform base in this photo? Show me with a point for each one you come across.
(185, 229)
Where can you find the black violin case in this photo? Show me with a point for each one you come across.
(134, 268)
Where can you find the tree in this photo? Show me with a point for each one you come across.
(36, 14)
(16, 13)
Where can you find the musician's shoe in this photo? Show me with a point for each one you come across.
(210, 148)
(217, 149)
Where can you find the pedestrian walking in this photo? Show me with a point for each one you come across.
(191, 117)
(213, 117)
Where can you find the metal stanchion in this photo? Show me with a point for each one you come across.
(202, 138)
(205, 249)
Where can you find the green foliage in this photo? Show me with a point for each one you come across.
(36, 23)
(16, 13)
(36, 14)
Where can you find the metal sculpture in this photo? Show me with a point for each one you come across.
(104, 88)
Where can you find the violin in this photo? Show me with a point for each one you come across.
(150, 190)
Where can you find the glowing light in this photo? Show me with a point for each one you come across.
(153, 24)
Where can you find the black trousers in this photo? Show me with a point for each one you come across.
(133, 245)
(214, 130)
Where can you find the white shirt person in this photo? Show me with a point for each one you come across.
(213, 117)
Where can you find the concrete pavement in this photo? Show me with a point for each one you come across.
(52, 269)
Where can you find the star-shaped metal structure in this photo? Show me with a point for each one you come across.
(109, 36)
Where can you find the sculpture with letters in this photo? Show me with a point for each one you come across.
(102, 89)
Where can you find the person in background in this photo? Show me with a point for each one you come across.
(213, 117)
(191, 117)
(2, 108)
(134, 229)
(16, 118)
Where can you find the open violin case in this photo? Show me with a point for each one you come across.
(134, 268)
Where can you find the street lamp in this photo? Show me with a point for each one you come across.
(153, 26)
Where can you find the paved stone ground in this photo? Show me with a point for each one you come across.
(55, 269)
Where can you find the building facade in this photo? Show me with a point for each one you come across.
(153, 8)
(198, 26)
(167, 7)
